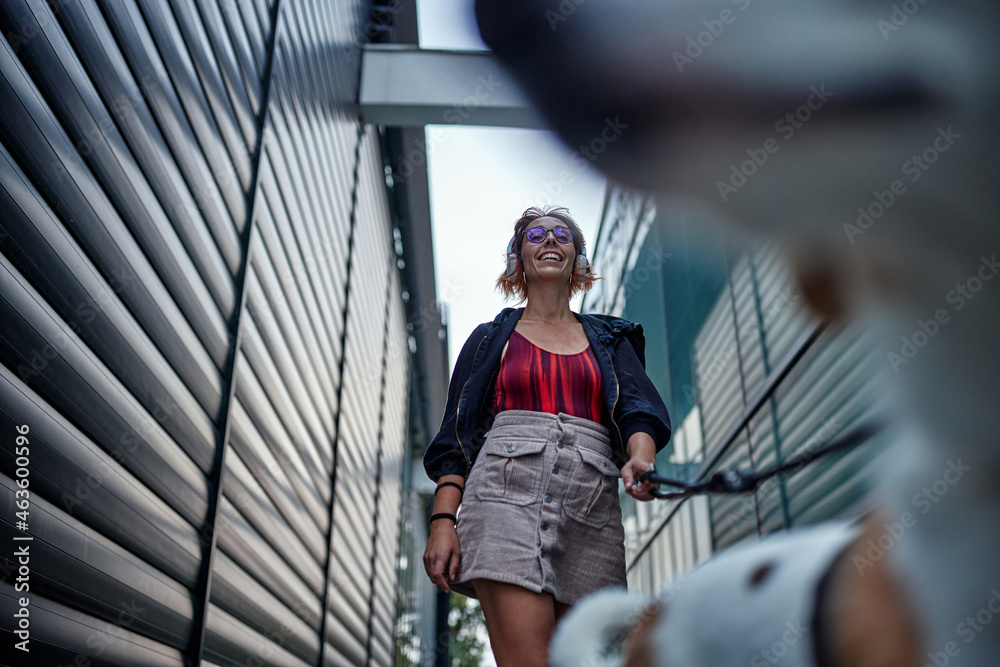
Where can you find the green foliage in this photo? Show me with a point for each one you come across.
(468, 629)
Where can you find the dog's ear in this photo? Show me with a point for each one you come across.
(641, 650)
(869, 616)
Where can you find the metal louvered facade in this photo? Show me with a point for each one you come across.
(202, 331)
(749, 376)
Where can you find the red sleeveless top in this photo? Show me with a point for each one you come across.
(531, 378)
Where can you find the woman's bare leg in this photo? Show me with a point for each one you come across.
(520, 623)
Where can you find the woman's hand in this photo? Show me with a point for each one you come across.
(643, 451)
(630, 473)
(442, 554)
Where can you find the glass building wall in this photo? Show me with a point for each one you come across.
(749, 376)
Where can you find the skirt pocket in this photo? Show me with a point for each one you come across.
(593, 489)
(509, 470)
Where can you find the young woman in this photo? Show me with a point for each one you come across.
(546, 409)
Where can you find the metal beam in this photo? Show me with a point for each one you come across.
(405, 86)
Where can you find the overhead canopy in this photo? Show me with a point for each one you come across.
(403, 85)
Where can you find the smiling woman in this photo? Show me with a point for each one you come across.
(539, 425)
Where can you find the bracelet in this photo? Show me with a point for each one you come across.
(443, 515)
(455, 484)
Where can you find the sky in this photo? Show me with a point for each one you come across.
(481, 181)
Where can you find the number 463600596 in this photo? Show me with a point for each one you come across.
(22, 452)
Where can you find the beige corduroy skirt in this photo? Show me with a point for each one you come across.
(541, 508)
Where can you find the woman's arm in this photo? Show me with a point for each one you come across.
(444, 461)
(640, 407)
(442, 553)
(445, 456)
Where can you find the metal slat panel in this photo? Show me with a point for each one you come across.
(384, 610)
(304, 168)
(716, 369)
(211, 180)
(346, 28)
(290, 353)
(240, 595)
(232, 643)
(251, 70)
(351, 546)
(247, 495)
(746, 338)
(79, 477)
(56, 364)
(347, 578)
(194, 39)
(73, 563)
(244, 13)
(287, 196)
(342, 647)
(748, 327)
(771, 500)
(250, 551)
(353, 606)
(305, 479)
(61, 635)
(309, 253)
(286, 388)
(341, 636)
(279, 278)
(263, 9)
(302, 426)
(60, 269)
(724, 530)
(136, 140)
(136, 365)
(52, 164)
(212, 22)
(231, 175)
(351, 480)
(291, 262)
(304, 110)
(159, 184)
(833, 393)
(383, 654)
(358, 433)
(269, 472)
(283, 315)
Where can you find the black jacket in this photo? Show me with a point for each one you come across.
(629, 397)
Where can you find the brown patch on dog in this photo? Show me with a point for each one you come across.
(641, 650)
(818, 283)
(760, 575)
(872, 625)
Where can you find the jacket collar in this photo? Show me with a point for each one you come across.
(604, 327)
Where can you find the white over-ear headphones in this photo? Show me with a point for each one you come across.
(511, 257)
(582, 262)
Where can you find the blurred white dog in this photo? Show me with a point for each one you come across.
(865, 137)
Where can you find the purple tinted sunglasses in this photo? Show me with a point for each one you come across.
(537, 234)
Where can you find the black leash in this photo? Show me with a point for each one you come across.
(734, 480)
